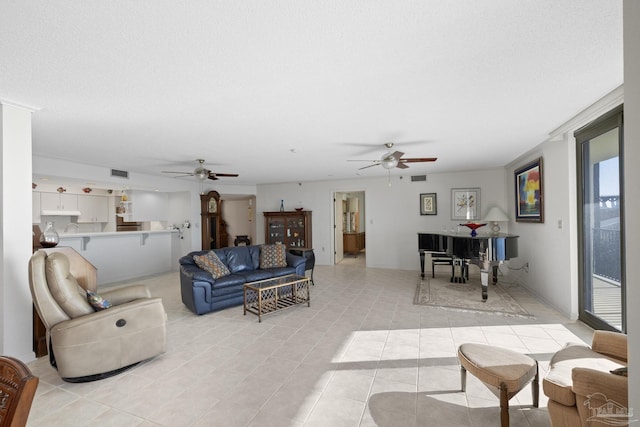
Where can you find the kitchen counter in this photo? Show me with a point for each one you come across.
(114, 233)
(86, 237)
(124, 255)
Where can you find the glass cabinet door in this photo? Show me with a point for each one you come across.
(276, 230)
(295, 232)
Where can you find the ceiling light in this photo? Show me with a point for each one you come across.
(389, 162)
(201, 173)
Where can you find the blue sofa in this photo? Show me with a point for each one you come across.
(201, 293)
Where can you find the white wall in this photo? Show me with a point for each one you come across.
(551, 247)
(15, 232)
(179, 212)
(546, 247)
(392, 213)
(631, 200)
(240, 219)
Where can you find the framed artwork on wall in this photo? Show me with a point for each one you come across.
(465, 203)
(529, 195)
(428, 204)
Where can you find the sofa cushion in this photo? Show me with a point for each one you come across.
(230, 289)
(557, 385)
(226, 281)
(211, 263)
(273, 256)
(255, 275)
(239, 259)
(282, 271)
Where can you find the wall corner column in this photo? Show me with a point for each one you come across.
(15, 233)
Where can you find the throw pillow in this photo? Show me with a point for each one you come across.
(97, 302)
(211, 263)
(272, 256)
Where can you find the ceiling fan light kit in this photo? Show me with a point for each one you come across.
(201, 174)
(389, 162)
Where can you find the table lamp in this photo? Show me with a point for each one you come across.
(494, 216)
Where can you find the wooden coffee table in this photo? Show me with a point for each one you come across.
(266, 296)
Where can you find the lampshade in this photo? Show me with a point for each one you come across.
(496, 214)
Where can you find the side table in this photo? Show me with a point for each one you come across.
(309, 255)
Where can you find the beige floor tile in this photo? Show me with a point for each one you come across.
(442, 409)
(361, 355)
(332, 411)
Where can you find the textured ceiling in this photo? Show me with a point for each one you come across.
(281, 91)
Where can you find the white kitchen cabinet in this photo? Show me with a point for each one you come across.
(35, 207)
(93, 209)
(58, 202)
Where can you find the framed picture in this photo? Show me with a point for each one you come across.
(465, 203)
(529, 195)
(428, 204)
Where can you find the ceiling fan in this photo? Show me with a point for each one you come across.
(203, 173)
(391, 160)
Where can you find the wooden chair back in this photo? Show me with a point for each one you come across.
(17, 389)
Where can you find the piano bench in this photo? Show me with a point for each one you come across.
(439, 259)
(459, 271)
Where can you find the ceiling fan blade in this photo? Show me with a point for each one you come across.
(183, 173)
(212, 176)
(419, 159)
(417, 142)
(401, 166)
(224, 174)
(396, 155)
(365, 167)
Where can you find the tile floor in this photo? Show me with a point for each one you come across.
(361, 355)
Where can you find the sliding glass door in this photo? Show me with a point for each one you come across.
(601, 233)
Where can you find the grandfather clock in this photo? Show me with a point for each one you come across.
(211, 220)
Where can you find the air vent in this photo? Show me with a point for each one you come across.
(119, 174)
(418, 178)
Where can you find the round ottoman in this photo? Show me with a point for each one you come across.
(505, 369)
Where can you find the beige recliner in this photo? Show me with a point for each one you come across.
(581, 387)
(84, 344)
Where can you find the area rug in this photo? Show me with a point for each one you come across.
(440, 292)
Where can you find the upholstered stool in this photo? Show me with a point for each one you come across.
(505, 369)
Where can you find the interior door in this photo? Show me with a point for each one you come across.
(601, 233)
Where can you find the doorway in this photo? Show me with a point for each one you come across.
(601, 226)
(349, 226)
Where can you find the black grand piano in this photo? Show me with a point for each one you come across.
(485, 251)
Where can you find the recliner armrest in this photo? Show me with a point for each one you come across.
(600, 386)
(612, 344)
(127, 294)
